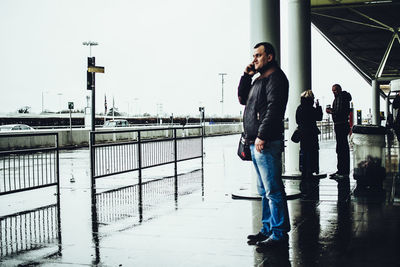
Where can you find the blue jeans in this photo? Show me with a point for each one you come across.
(268, 165)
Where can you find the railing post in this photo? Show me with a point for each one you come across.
(175, 165)
(92, 161)
(202, 148)
(58, 196)
(202, 161)
(175, 154)
(140, 178)
(140, 160)
(58, 170)
(329, 128)
(95, 225)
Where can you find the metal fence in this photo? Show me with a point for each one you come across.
(326, 129)
(30, 230)
(26, 167)
(117, 152)
(141, 149)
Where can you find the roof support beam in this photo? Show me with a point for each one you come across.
(386, 55)
(329, 39)
(398, 39)
(353, 21)
(372, 19)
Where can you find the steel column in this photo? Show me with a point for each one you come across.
(375, 103)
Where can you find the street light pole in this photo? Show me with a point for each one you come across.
(43, 92)
(93, 109)
(136, 107)
(90, 44)
(59, 101)
(222, 96)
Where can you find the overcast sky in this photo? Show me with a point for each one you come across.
(165, 52)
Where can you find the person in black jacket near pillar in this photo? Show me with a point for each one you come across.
(265, 101)
(340, 114)
(306, 118)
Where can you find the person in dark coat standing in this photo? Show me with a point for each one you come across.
(306, 118)
(340, 114)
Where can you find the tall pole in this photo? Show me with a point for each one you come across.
(59, 101)
(93, 113)
(113, 109)
(105, 108)
(42, 102)
(222, 91)
(136, 106)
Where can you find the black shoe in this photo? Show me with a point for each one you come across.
(269, 242)
(253, 239)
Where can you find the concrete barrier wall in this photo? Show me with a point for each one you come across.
(80, 137)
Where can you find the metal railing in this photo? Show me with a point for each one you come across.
(137, 151)
(327, 129)
(28, 168)
(30, 230)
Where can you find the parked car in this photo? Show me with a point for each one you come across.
(116, 123)
(15, 127)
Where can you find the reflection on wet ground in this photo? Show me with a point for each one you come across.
(30, 230)
(192, 220)
(125, 206)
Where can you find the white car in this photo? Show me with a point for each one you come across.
(116, 123)
(15, 127)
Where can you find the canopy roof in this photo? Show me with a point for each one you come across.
(366, 33)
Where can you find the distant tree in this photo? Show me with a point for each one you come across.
(25, 109)
(146, 114)
(116, 112)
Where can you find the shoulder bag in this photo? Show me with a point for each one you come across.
(244, 148)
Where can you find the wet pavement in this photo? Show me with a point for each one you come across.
(198, 223)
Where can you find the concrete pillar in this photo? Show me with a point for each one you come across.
(265, 24)
(375, 103)
(299, 72)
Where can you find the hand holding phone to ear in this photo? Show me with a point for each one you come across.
(250, 70)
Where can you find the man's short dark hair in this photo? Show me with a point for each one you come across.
(269, 49)
(337, 86)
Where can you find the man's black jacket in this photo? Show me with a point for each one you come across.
(265, 102)
(341, 108)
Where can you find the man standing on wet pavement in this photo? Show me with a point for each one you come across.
(340, 111)
(265, 101)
